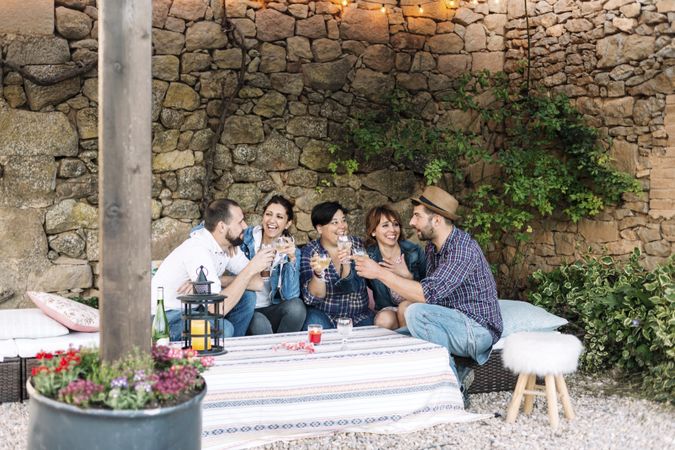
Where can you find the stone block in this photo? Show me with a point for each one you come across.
(276, 154)
(421, 26)
(289, 83)
(445, 43)
(189, 10)
(64, 277)
(625, 155)
(379, 57)
(492, 61)
(165, 67)
(169, 161)
(41, 96)
(298, 47)
(475, 38)
(308, 126)
(72, 24)
(167, 234)
(395, 185)
(273, 25)
(70, 215)
(327, 76)
(313, 28)
(326, 50)
(87, 123)
(26, 133)
(621, 48)
(372, 85)
(181, 96)
(363, 25)
(272, 104)
(242, 130)
(454, 66)
(167, 42)
(598, 231)
(205, 35)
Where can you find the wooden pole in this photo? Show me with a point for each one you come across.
(125, 92)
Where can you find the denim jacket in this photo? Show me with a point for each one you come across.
(284, 277)
(414, 260)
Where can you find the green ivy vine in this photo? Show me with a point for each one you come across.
(544, 157)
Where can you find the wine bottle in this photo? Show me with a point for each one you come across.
(160, 325)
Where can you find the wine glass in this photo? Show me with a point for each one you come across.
(280, 243)
(266, 273)
(323, 260)
(359, 251)
(344, 328)
(344, 243)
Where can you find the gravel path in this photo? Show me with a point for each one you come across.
(605, 420)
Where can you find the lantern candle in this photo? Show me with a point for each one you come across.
(197, 331)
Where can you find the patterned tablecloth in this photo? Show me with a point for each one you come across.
(383, 382)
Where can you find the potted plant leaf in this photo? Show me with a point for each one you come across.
(139, 402)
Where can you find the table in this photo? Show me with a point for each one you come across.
(383, 382)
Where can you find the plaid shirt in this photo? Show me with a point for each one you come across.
(345, 297)
(459, 277)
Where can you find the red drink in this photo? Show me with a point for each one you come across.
(314, 333)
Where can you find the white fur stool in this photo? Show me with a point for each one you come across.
(548, 355)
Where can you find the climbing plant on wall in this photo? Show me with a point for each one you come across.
(543, 157)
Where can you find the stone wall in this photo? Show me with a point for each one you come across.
(616, 60)
(310, 66)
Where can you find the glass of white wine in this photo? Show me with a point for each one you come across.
(344, 328)
(323, 260)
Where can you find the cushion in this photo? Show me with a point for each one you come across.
(523, 316)
(74, 315)
(28, 323)
(541, 353)
(28, 348)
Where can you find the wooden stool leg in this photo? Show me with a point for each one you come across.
(529, 398)
(551, 398)
(564, 396)
(514, 406)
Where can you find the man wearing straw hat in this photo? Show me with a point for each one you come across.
(456, 304)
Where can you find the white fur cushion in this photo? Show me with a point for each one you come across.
(541, 353)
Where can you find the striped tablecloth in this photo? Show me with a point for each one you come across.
(383, 382)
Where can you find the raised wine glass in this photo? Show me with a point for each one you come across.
(323, 260)
(344, 328)
(344, 243)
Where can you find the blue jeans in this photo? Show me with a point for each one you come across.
(285, 317)
(234, 324)
(452, 329)
(317, 316)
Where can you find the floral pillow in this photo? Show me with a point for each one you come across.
(74, 315)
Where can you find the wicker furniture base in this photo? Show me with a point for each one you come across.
(491, 376)
(26, 365)
(10, 380)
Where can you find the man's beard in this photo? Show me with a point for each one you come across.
(425, 234)
(235, 241)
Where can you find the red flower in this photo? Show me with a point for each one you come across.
(63, 362)
(40, 355)
(48, 356)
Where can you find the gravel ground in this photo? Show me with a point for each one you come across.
(607, 418)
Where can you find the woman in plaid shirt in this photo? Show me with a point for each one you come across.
(338, 291)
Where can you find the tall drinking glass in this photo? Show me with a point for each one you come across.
(344, 328)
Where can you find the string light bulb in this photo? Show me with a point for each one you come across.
(474, 2)
(383, 9)
(420, 9)
(451, 3)
(345, 2)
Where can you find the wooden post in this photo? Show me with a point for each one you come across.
(125, 93)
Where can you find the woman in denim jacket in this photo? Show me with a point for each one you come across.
(390, 250)
(279, 308)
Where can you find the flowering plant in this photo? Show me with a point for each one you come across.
(139, 381)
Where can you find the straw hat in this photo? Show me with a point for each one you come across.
(438, 201)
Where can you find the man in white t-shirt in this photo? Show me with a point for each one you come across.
(216, 247)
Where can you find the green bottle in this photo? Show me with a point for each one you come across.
(160, 325)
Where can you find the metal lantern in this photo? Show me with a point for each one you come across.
(202, 314)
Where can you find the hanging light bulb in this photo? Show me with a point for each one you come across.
(474, 2)
(383, 9)
(345, 2)
(420, 9)
(451, 3)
